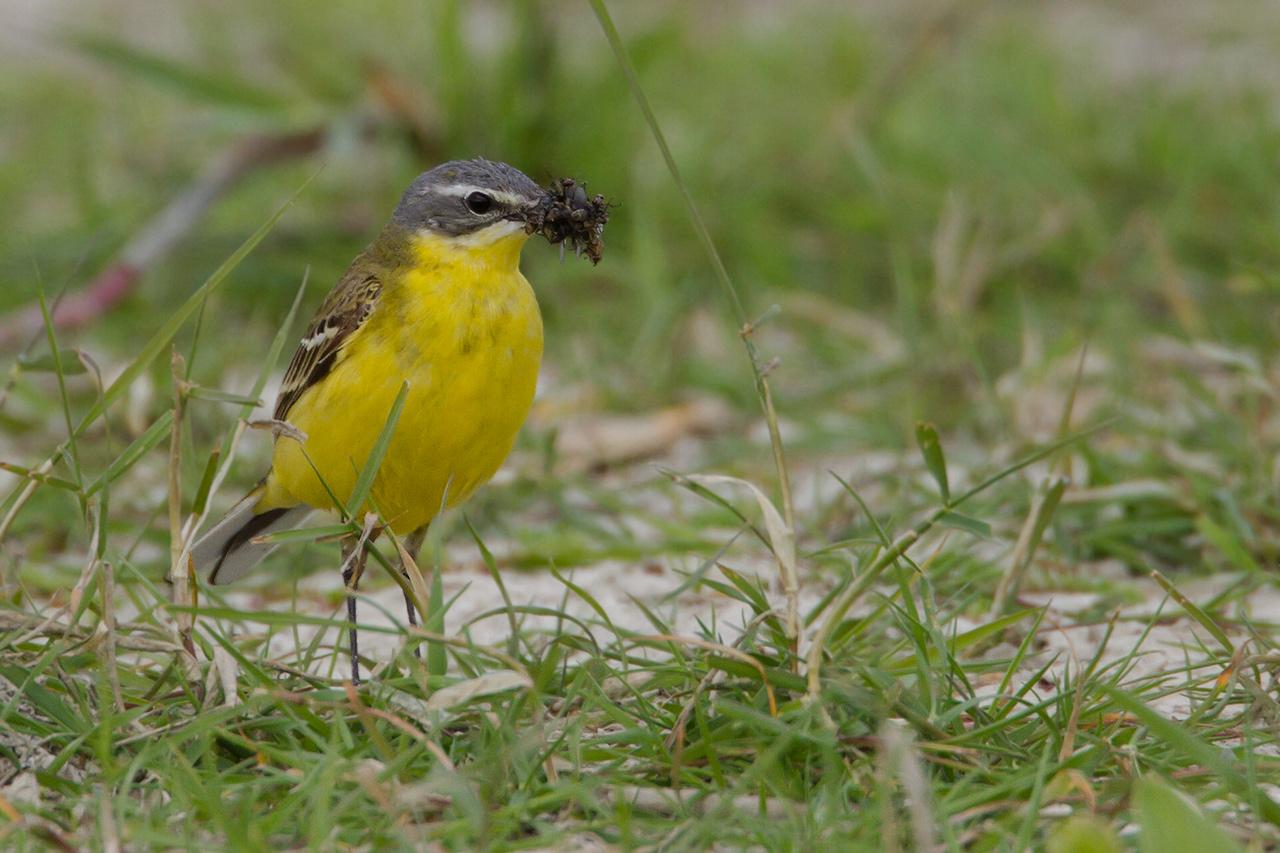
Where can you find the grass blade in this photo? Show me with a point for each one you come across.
(1171, 823)
(161, 339)
(364, 483)
(1215, 760)
(934, 460)
(135, 451)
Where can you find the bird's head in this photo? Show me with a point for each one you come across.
(471, 203)
(487, 210)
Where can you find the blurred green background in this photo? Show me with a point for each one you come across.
(963, 173)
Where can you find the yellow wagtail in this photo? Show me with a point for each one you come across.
(437, 301)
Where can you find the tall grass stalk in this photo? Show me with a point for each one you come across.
(746, 328)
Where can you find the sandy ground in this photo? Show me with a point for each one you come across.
(1157, 636)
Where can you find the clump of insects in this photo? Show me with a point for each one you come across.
(571, 217)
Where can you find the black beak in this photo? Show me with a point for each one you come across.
(566, 214)
(533, 212)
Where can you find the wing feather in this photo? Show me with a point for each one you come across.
(344, 311)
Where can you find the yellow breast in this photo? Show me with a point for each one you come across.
(462, 326)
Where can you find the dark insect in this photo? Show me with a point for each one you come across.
(570, 217)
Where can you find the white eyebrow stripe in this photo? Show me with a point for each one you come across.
(468, 189)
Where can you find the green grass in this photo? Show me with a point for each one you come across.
(946, 211)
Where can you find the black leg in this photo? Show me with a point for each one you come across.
(353, 569)
(412, 613)
(413, 544)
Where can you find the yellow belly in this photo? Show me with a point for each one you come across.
(468, 339)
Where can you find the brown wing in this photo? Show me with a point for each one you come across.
(343, 311)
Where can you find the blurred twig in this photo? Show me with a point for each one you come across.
(401, 107)
(410, 109)
(162, 233)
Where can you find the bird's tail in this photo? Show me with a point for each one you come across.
(227, 551)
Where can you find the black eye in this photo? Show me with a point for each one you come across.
(479, 203)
